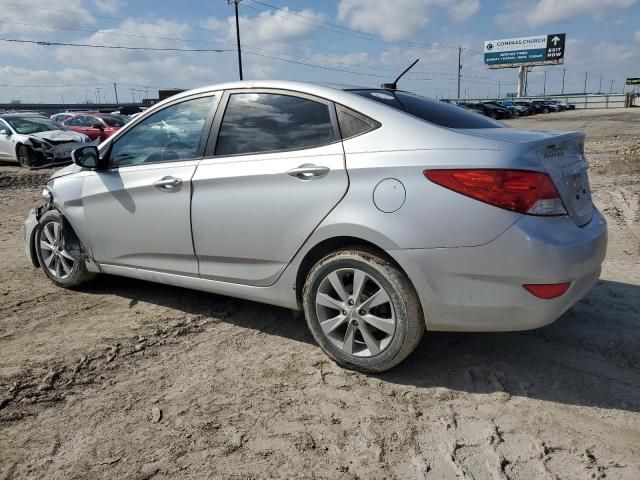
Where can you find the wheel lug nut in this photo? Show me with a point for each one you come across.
(362, 312)
(350, 302)
(355, 323)
(344, 312)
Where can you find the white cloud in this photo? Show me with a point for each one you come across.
(464, 9)
(398, 19)
(356, 59)
(55, 14)
(549, 11)
(110, 6)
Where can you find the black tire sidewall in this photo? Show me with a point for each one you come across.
(389, 278)
(28, 159)
(79, 271)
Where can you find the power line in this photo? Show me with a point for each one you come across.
(115, 47)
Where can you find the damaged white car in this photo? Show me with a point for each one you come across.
(34, 141)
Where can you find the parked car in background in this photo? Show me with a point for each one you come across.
(62, 116)
(522, 110)
(32, 140)
(546, 106)
(314, 197)
(530, 105)
(489, 110)
(97, 126)
(512, 109)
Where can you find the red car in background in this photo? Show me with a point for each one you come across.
(95, 125)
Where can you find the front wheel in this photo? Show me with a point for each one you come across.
(362, 310)
(58, 264)
(25, 157)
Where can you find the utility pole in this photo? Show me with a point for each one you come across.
(459, 68)
(235, 4)
(115, 90)
(499, 96)
(544, 88)
(133, 96)
(564, 71)
(600, 87)
(611, 89)
(586, 76)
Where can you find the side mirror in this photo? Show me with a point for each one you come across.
(5, 131)
(86, 157)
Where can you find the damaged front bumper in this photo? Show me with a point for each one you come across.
(49, 153)
(29, 230)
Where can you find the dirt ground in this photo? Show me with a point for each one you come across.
(127, 379)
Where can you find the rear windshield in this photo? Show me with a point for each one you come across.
(432, 111)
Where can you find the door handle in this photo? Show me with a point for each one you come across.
(167, 183)
(308, 171)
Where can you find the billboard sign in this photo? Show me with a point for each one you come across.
(525, 51)
(633, 81)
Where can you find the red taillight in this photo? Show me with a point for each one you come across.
(547, 291)
(521, 191)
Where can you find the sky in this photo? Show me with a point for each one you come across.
(361, 42)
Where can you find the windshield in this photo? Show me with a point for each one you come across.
(114, 121)
(29, 125)
(432, 111)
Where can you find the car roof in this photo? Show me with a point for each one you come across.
(323, 90)
(21, 114)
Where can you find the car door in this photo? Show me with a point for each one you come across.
(137, 210)
(7, 147)
(275, 171)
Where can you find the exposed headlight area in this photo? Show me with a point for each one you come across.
(47, 195)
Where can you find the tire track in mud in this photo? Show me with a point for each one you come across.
(26, 390)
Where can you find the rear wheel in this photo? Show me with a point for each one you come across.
(25, 157)
(58, 264)
(362, 310)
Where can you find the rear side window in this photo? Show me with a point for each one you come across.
(266, 122)
(432, 111)
(353, 123)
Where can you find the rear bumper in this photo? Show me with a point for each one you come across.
(480, 288)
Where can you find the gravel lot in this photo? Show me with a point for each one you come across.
(127, 379)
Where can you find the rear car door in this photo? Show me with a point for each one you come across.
(137, 211)
(276, 170)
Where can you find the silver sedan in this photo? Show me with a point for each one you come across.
(377, 212)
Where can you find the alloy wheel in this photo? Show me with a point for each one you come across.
(355, 312)
(56, 259)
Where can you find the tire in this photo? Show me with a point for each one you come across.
(24, 156)
(354, 340)
(58, 264)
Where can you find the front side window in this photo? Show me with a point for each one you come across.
(266, 122)
(172, 134)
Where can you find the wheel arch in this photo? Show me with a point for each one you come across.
(333, 244)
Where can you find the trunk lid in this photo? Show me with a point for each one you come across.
(562, 155)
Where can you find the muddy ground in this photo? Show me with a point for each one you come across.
(127, 379)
